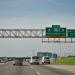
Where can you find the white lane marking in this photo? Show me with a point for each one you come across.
(35, 70)
(38, 73)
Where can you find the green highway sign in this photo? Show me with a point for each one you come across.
(55, 26)
(63, 32)
(71, 33)
(58, 32)
(49, 30)
(55, 31)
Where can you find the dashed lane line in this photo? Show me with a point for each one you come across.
(38, 73)
(35, 71)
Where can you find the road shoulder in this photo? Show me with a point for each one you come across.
(70, 68)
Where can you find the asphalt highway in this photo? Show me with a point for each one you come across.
(27, 69)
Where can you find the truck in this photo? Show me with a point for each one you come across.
(18, 62)
(34, 60)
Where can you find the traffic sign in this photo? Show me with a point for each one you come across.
(49, 31)
(71, 33)
(55, 26)
(55, 32)
(63, 32)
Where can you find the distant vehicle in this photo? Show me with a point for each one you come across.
(27, 60)
(1, 61)
(45, 60)
(34, 60)
(18, 62)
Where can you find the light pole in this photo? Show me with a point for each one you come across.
(60, 50)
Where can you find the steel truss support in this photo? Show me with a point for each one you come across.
(32, 33)
(22, 33)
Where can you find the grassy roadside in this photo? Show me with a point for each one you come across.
(65, 60)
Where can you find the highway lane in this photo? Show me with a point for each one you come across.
(27, 69)
(44, 70)
(9, 69)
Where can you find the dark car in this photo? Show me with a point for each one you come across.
(18, 62)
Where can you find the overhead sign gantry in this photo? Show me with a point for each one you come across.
(22, 33)
(53, 32)
(61, 33)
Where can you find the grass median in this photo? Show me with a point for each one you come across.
(65, 60)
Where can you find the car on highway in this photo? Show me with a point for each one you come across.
(45, 59)
(18, 62)
(1, 61)
(34, 60)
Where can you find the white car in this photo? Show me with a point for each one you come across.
(34, 60)
(45, 60)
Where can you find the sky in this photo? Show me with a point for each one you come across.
(35, 14)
